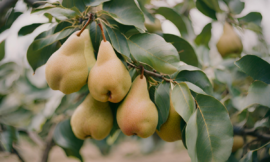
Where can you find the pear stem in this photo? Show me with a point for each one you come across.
(152, 73)
(142, 72)
(102, 31)
(87, 23)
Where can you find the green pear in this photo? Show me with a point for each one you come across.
(153, 27)
(137, 114)
(109, 80)
(238, 143)
(67, 68)
(92, 119)
(229, 42)
(170, 131)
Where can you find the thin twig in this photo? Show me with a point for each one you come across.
(18, 154)
(87, 23)
(49, 145)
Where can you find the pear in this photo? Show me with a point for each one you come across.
(137, 114)
(229, 42)
(109, 80)
(153, 27)
(170, 131)
(92, 119)
(238, 143)
(67, 68)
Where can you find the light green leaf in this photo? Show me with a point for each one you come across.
(59, 13)
(213, 4)
(183, 101)
(236, 6)
(2, 50)
(74, 3)
(94, 2)
(254, 17)
(209, 132)
(154, 51)
(125, 12)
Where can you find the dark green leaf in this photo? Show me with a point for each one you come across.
(213, 4)
(254, 17)
(65, 138)
(183, 101)
(28, 29)
(2, 50)
(162, 100)
(196, 77)
(118, 40)
(74, 3)
(147, 15)
(255, 67)
(236, 6)
(125, 12)
(9, 20)
(154, 51)
(209, 132)
(204, 37)
(207, 11)
(185, 50)
(175, 18)
(94, 2)
(59, 13)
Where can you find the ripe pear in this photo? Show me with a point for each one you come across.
(238, 143)
(229, 42)
(137, 114)
(67, 68)
(109, 80)
(170, 131)
(92, 119)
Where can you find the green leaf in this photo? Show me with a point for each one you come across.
(195, 88)
(213, 4)
(185, 50)
(147, 15)
(183, 101)
(28, 29)
(196, 77)
(209, 132)
(255, 67)
(204, 37)
(257, 94)
(254, 17)
(8, 137)
(162, 100)
(65, 138)
(207, 11)
(236, 6)
(175, 18)
(9, 20)
(94, 2)
(59, 13)
(118, 40)
(2, 50)
(125, 12)
(154, 51)
(74, 3)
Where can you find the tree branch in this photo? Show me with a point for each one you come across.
(49, 145)
(251, 132)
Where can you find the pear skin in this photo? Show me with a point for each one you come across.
(137, 114)
(170, 131)
(67, 68)
(229, 42)
(238, 142)
(92, 119)
(109, 80)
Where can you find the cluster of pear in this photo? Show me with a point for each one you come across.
(229, 42)
(68, 69)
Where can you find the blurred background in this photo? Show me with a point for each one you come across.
(28, 104)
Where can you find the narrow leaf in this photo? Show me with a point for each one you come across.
(183, 101)
(28, 29)
(162, 100)
(2, 50)
(94, 2)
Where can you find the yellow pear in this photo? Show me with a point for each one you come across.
(92, 119)
(238, 143)
(109, 80)
(170, 131)
(153, 27)
(67, 68)
(137, 114)
(229, 42)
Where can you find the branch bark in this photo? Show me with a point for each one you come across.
(251, 132)
(49, 145)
